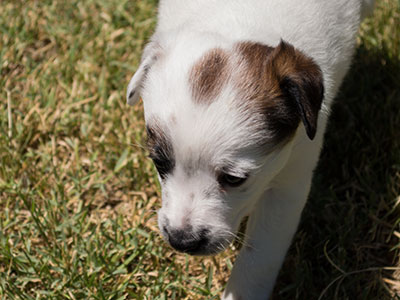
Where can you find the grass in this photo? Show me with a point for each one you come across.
(78, 195)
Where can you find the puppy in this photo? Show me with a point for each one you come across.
(236, 97)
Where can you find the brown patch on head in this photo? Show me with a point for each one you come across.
(256, 81)
(208, 76)
(281, 83)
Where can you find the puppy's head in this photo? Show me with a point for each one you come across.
(220, 122)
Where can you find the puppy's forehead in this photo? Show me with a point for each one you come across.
(166, 87)
(244, 66)
(209, 75)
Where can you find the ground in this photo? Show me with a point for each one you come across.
(78, 194)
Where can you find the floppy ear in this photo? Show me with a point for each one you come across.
(301, 82)
(136, 83)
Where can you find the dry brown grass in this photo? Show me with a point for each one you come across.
(78, 195)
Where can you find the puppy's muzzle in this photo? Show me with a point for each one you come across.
(186, 240)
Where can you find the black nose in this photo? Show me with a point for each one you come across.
(186, 240)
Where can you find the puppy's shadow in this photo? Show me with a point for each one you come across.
(346, 232)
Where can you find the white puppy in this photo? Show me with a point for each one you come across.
(233, 92)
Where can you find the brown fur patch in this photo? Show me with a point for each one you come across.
(263, 76)
(256, 80)
(208, 76)
(281, 83)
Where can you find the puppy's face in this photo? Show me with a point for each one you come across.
(220, 121)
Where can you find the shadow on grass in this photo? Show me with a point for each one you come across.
(346, 232)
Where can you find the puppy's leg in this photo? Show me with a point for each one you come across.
(269, 233)
(270, 229)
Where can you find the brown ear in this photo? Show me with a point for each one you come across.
(301, 83)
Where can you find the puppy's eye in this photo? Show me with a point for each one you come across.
(225, 179)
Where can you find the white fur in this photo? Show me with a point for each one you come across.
(206, 137)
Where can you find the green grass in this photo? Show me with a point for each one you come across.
(78, 195)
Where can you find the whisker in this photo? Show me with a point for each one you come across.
(134, 144)
(137, 145)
